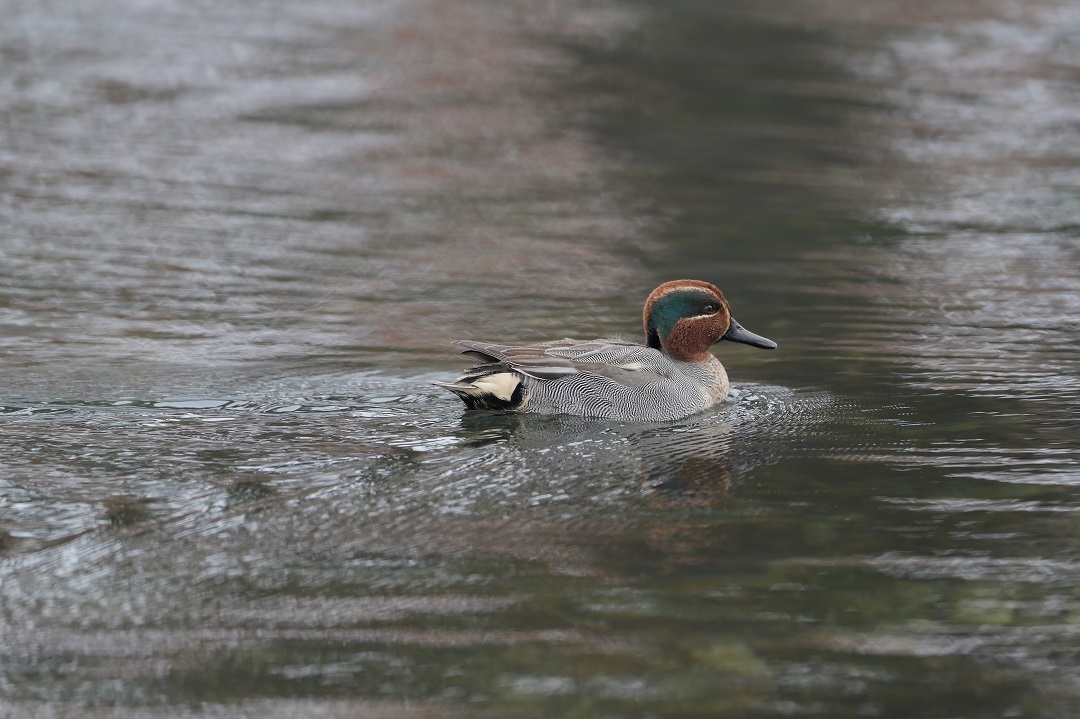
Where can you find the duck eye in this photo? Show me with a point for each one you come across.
(709, 309)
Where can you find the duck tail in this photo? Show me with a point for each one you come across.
(493, 390)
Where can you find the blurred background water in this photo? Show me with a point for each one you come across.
(237, 238)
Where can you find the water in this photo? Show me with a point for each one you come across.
(237, 240)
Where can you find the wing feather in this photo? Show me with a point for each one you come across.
(631, 365)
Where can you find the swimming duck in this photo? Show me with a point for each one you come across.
(671, 376)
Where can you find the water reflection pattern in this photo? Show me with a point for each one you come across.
(238, 235)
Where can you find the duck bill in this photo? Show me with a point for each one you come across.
(738, 333)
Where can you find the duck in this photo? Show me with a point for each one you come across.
(671, 376)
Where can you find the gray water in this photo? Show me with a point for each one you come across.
(238, 238)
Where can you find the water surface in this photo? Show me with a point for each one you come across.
(237, 241)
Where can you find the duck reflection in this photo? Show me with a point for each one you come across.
(670, 464)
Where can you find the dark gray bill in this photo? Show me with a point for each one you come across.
(738, 333)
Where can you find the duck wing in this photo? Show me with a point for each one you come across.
(627, 363)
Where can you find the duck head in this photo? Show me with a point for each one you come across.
(684, 318)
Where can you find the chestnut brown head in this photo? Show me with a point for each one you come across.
(683, 318)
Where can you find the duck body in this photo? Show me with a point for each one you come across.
(672, 376)
(604, 378)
